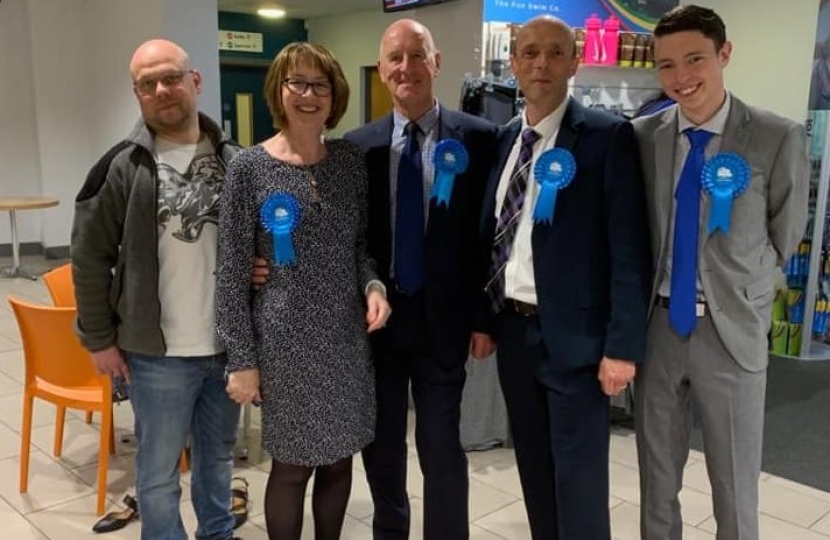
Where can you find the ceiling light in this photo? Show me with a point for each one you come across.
(271, 13)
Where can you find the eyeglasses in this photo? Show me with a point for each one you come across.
(298, 87)
(146, 86)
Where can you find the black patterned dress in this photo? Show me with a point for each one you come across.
(305, 329)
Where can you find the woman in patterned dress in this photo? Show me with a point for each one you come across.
(299, 345)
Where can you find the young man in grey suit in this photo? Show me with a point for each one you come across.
(713, 289)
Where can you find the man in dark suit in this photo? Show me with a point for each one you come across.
(707, 335)
(431, 260)
(570, 295)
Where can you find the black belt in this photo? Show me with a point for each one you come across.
(520, 308)
(701, 309)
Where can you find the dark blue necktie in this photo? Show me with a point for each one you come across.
(682, 316)
(409, 215)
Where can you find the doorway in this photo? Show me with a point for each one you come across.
(377, 102)
(243, 103)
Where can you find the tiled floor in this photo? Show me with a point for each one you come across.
(60, 503)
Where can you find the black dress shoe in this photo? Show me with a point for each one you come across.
(114, 521)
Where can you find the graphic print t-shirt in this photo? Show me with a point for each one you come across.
(190, 179)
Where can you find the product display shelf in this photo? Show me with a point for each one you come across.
(807, 301)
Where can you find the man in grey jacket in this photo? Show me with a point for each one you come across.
(143, 259)
(727, 191)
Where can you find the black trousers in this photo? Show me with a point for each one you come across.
(402, 357)
(561, 434)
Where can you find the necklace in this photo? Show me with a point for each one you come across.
(315, 185)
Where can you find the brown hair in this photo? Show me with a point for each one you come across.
(317, 57)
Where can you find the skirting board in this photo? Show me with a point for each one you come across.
(36, 248)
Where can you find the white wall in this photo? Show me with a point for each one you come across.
(19, 165)
(354, 40)
(66, 94)
(772, 51)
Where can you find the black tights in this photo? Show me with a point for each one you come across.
(285, 493)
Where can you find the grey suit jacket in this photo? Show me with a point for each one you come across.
(737, 270)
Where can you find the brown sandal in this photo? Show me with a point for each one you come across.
(239, 500)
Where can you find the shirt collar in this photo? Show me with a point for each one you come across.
(426, 122)
(715, 125)
(548, 125)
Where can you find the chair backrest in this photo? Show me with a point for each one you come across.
(51, 349)
(59, 283)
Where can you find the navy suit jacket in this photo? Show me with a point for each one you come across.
(592, 265)
(455, 265)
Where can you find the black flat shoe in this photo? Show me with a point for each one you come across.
(114, 521)
(239, 501)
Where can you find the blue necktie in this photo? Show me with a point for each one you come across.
(409, 215)
(682, 316)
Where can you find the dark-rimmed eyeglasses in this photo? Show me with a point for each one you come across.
(298, 87)
(147, 85)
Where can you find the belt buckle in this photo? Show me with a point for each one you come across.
(522, 308)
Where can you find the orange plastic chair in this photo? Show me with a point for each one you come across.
(62, 290)
(60, 371)
(59, 282)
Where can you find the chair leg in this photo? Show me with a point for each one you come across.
(112, 435)
(88, 417)
(60, 418)
(25, 440)
(112, 440)
(103, 458)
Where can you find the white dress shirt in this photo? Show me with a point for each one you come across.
(519, 281)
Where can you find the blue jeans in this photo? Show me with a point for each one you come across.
(174, 398)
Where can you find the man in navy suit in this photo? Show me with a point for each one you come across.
(570, 296)
(434, 296)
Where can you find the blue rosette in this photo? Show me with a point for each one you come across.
(450, 159)
(725, 176)
(554, 170)
(280, 214)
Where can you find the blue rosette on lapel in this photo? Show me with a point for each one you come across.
(725, 176)
(280, 214)
(554, 170)
(450, 159)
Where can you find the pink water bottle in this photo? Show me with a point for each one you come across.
(592, 52)
(611, 41)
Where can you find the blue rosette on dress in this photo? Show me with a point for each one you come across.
(554, 170)
(280, 214)
(725, 176)
(450, 159)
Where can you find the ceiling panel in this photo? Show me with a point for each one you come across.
(302, 9)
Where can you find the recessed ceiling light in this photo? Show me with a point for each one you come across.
(271, 13)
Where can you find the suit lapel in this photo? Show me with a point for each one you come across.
(379, 175)
(568, 129)
(735, 139)
(665, 138)
(566, 138)
(507, 137)
(447, 129)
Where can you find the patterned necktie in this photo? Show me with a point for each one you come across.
(682, 316)
(508, 222)
(409, 215)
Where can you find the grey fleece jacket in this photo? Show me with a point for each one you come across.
(114, 246)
